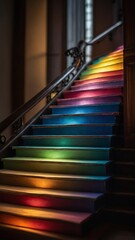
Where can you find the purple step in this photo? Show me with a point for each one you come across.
(89, 100)
(99, 85)
(115, 91)
(99, 79)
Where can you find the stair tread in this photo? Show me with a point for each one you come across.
(68, 136)
(124, 163)
(40, 234)
(122, 193)
(64, 161)
(95, 105)
(70, 125)
(125, 178)
(106, 88)
(100, 79)
(56, 176)
(50, 192)
(103, 74)
(81, 114)
(61, 148)
(96, 86)
(86, 98)
(74, 217)
(99, 85)
(118, 209)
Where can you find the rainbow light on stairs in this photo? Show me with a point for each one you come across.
(65, 158)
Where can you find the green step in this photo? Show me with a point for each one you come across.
(86, 153)
(66, 166)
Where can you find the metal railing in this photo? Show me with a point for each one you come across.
(53, 90)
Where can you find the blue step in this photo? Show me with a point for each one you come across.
(73, 140)
(113, 107)
(79, 129)
(79, 118)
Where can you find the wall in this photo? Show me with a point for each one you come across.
(56, 38)
(105, 14)
(6, 26)
(35, 49)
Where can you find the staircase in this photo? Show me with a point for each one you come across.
(56, 180)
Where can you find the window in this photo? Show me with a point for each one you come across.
(88, 27)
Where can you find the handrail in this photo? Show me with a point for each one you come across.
(105, 33)
(58, 86)
(35, 100)
(75, 52)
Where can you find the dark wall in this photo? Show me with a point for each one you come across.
(105, 14)
(56, 36)
(6, 35)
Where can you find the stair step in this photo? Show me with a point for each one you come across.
(124, 154)
(126, 169)
(79, 118)
(92, 93)
(123, 199)
(64, 166)
(114, 78)
(79, 129)
(99, 85)
(72, 140)
(89, 100)
(106, 62)
(48, 220)
(55, 181)
(53, 199)
(121, 184)
(107, 107)
(102, 75)
(113, 67)
(85, 153)
(120, 214)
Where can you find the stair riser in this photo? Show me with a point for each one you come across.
(102, 75)
(83, 185)
(97, 80)
(90, 86)
(124, 155)
(62, 168)
(89, 101)
(86, 109)
(93, 93)
(103, 69)
(41, 224)
(75, 130)
(60, 203)
(124, 185)
(124, 201)
(90, 154)
(60, 141)
(125, 170)
(79, 119)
